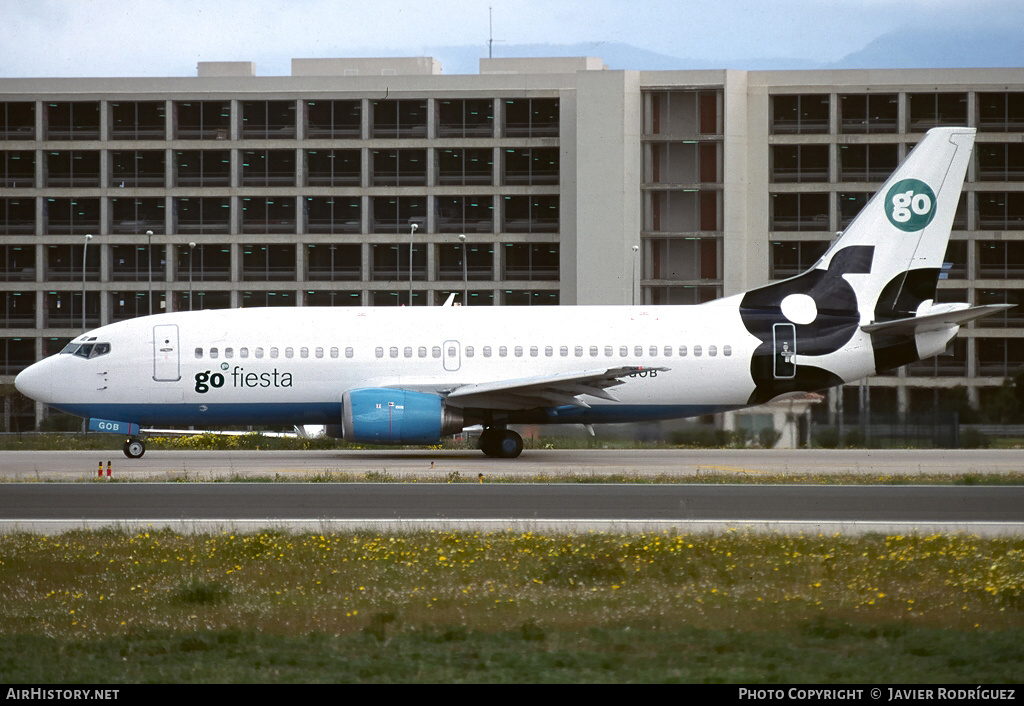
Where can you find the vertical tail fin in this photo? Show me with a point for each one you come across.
(906, 224)
(883, 268)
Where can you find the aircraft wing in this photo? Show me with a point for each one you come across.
(931, 322)
(546, 390)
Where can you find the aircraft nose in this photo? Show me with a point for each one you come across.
(36, 382)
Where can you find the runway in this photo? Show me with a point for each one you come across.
(53, 507)
(27, 504)
(158, 465)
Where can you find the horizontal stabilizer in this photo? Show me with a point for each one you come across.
(546, 390)
(932, 322)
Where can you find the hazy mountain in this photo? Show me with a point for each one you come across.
(466, 59)
(912, 48)
(901, 49)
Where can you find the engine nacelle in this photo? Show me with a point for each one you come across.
(383, 415)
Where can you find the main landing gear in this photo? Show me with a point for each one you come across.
(501, 443)
(134, 448)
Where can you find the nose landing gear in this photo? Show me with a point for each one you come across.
(501, 443)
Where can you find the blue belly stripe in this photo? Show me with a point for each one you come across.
(289, 413)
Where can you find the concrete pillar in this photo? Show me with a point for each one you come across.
(104, 121)
(235, 125)
(300, 262)
(431, 119)
(300, 120)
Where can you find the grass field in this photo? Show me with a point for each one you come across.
(119, 607)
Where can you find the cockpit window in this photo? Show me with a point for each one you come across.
(86, 350)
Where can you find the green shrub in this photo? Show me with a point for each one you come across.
(827, 438)
(974, 439)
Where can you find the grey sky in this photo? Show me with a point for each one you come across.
(168, 37)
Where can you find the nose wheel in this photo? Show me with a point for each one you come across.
(134, 448)
(501, 443)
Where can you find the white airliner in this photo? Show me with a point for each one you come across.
(412, 375)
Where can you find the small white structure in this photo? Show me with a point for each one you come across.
(783, 415)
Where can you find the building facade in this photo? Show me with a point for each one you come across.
(381, 182)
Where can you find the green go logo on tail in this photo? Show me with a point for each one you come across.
(910, 205)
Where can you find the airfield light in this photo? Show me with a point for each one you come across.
(149, 266)
(85, 247)
(465, 275)
(191, 249)
(412, 229)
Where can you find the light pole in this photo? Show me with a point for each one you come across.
(633, 288)
(84, 250)
(149, 266)
(412, 229)
(191, 249)
(465, 275)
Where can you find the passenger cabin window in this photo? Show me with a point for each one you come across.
(421, 351)
(229, 352)
(379, 352)
(435, 351)
(487, 351)
(243, 352)
(623, 351)
(393, 351)
(502, 351)
(593, 351)
(319, 352)
(469, 351)
(682, 351)
(654, 351)
(259, 351)
(214, 353)
(534, 351)
(563, 351)
(199, 353)
(451, 352)
(727, 351)
(549, 351)
(712, 351)
(519, 351)
(697, 351)
(608, 352)
(303, 352)
(289, 352)
(407, 352)
(273, 352)
(578, 351)
(349, 352)
(638, 351)
(668, 351)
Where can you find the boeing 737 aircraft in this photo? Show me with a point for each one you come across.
(412, 375)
